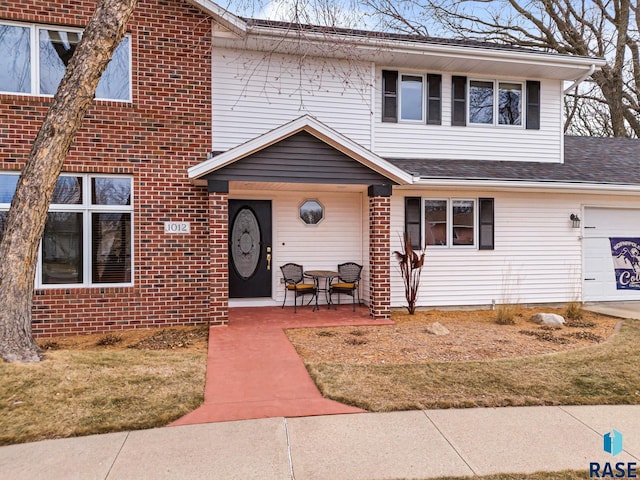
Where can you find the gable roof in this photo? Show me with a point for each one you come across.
(223, 16)
(403, 37)
(587, 161)
(399, 50)
(317, 129)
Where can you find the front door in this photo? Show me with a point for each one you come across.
(249, 248)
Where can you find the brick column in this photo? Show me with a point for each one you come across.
(219, 252)
(380, 251)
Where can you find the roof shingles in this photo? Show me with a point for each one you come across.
(588, 160)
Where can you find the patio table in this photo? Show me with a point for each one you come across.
(327, 275)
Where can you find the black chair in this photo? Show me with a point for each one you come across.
(348, 282)
(293, 275)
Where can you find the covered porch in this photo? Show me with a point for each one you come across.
(305, 194)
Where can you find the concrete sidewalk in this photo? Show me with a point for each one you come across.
(414, 444)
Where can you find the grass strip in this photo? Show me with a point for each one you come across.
(82, 392)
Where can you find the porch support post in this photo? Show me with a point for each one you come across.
(218, 253)
(380, 251)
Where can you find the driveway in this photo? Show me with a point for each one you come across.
(615, 309)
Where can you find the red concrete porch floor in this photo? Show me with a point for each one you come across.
(253, 371)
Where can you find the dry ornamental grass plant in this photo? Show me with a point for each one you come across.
(410, 267)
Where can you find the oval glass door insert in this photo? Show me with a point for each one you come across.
(245, 243)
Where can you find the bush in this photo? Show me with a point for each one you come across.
(573, 311)
(506, 314)
(109, 339)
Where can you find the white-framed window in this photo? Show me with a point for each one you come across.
(450, 222)
(411, 97)
(88, 237)
(493, 102)
(33, 59)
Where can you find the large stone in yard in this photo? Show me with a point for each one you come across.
(548, 319)
(437, 328)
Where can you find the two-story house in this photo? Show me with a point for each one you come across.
(221, 148)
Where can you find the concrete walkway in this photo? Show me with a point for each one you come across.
(369, 446)
(253, 371)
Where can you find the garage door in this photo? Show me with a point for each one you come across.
(601, 224)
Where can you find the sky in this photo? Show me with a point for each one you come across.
(347, 13)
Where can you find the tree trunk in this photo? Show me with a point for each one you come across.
(28, 213)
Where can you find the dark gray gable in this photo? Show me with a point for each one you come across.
(300, 158)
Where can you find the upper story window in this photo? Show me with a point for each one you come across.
(491, 102)
(481, 102)
(495, 102)
(411, 97)
(509, 103)
(33, 60)
(411, 102)
(88, 235)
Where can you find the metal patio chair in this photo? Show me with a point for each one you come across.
(293, 275)
(348, 282)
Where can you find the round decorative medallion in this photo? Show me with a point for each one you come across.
(245, 243)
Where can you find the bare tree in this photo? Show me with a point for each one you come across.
(28, 213)
(328, 13)
(600, 28)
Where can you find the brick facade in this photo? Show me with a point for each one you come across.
(219, 266)
(380, 256)
(155, 138)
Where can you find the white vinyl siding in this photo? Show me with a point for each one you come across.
(474, 142)
(536, 258)
(255, 92)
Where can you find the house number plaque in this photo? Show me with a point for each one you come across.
(177, 227)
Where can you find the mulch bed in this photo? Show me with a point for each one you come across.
(474, 335)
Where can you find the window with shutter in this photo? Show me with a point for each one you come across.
(389, 96)
(533, 105)
(486, 231)
(434, 99)
(412, 221)
(459, 101)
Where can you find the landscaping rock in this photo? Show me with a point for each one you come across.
(547, 319)
(436, 329)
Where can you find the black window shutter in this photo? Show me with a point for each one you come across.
(434, 99)
(459, 101)
(389, 96)
(533, 105)
(486, 232)
(412, 221)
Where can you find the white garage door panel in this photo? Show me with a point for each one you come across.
(599, 282)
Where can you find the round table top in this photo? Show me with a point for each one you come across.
(321, 273)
